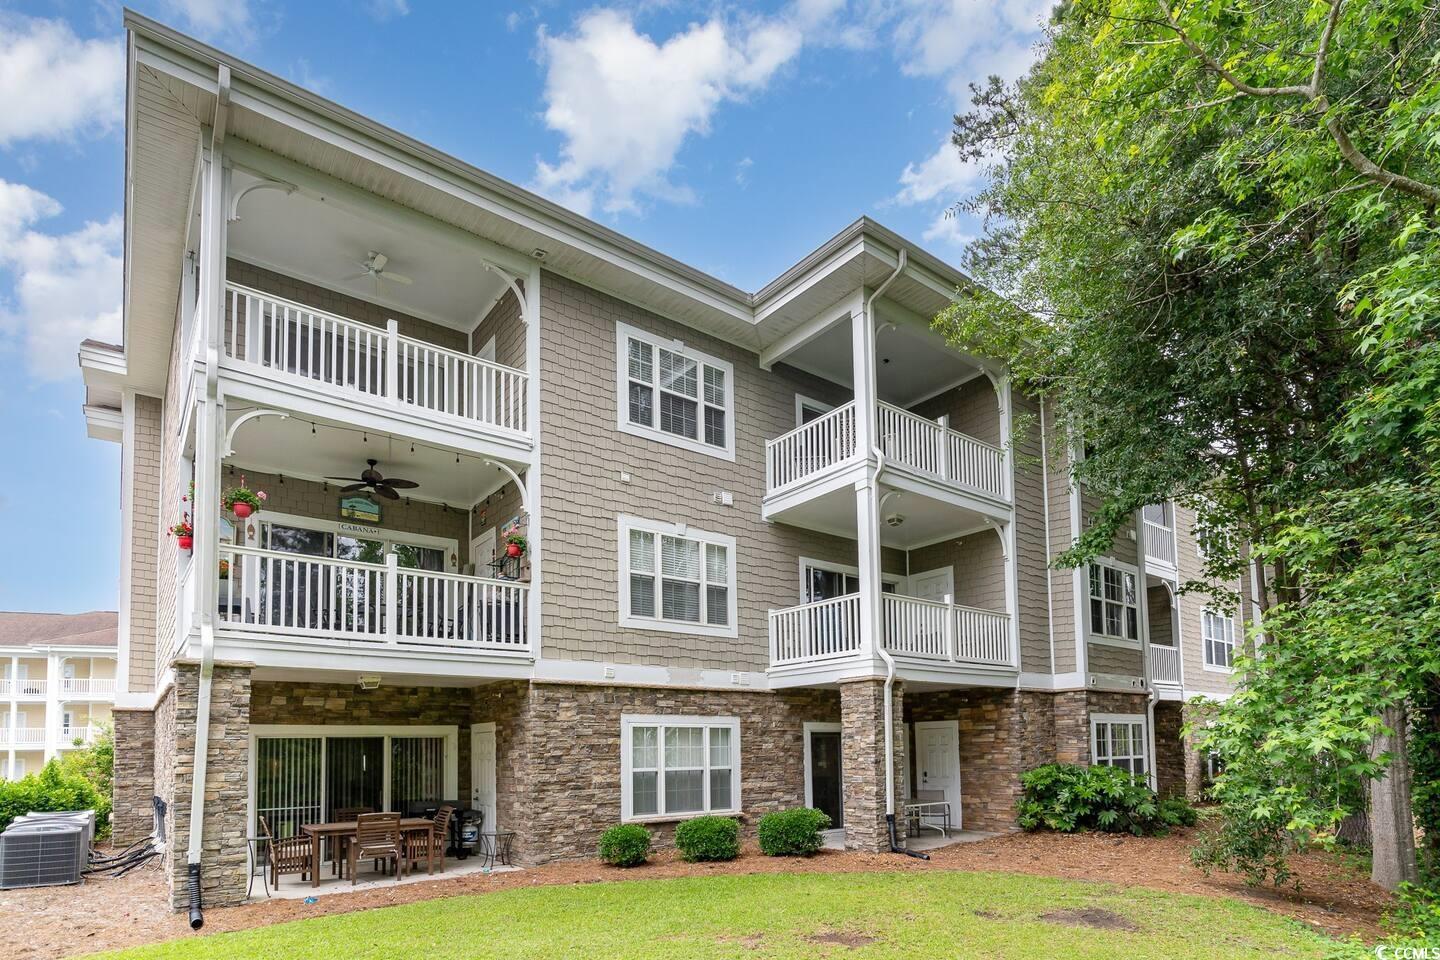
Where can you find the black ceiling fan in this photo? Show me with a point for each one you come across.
(371, 478)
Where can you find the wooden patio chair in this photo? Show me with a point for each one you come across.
(422, 846)
(288, 855)
(339, 856)
(377, 837)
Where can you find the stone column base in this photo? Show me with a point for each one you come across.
(132, 792)
(862, 719)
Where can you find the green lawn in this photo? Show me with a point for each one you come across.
(918, 916)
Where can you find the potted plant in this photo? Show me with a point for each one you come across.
(183, 533)
(224, 569)
(515, 545)
(242, 500)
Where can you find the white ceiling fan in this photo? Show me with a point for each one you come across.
(374, 266)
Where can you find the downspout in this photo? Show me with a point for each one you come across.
(209, 457)
(880, 646)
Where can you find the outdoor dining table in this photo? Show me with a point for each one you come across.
(345, 829)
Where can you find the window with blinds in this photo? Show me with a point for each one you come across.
(680, 765)
(673, 394)
(676, 578)
(1119, 741)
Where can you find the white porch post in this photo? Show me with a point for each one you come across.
(392, 599)
(14, 691)
(534, 534)
(867, 489)
(210, 418)
(53, 664)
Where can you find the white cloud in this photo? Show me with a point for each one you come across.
(214, 19)
(383, 10)
(948, 229)
(64, 287)
(943, 174)
(55, 85)
(962, 41)
(742, 172)
(625, 103)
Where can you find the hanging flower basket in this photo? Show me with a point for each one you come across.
(242, 500)
(183, 533)
(515, 546)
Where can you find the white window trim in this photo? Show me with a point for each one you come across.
(628, 722)
(1109, 718)
(1124, 643)
(802, 401)
(624, 332)
(349, 528)
(846, 569)
(1205, 642)
(729, 629)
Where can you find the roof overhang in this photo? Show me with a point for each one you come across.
(171, 102)
(104, 370)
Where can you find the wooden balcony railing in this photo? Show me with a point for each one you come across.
(297, 597)
(337, 352)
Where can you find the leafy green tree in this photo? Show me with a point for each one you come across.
(1211, 229)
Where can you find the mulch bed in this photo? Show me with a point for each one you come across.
(1333, 898)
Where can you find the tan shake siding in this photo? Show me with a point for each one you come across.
(978, 564)
(497, 510)
(306, 498)
(173, 485)
(1031, 562)
(1192, 609)
(145, 539)
(1119, 661)
(1062, 579)
(972, 408)
(339, 304)
(505, 324)
(582, 492)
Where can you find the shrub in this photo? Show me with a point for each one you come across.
(627, 845)
(708, 838)
(1068, 798)
(792, 833)
(52, 789)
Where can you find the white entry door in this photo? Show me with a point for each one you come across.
(933, 584)
(482, 772)
(482, 551)
(937, 763)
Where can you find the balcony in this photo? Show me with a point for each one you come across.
(1164, 666)
(23, 737)
(77, 736)
(23, 689)
(372, 366)
(1159, 545)
(909, 442)
(934, 634)
(278, 598)
(87, 688)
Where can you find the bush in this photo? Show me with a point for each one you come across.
(52, 789)
(708, 838)
(1068, 798)
(792, 833)
(627, 845)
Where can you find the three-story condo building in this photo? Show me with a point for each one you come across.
(746, 522)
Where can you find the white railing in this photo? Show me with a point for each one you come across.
(310, 344)
(946, 631)
(1164, 664)
(69, 735)
(300, 597)
(22, 736)
(907, 440)
(818, 445)
(824, 630)
(87, 687)
(22, 688)
(452, 383)
(1159, 543)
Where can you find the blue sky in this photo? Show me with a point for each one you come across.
(736, 138)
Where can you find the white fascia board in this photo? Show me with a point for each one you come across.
(104, 423)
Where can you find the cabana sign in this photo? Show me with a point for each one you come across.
(359, 508)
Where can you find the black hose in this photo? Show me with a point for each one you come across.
(197, 919)
(895, 846)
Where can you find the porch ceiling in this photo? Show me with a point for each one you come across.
(289, 447)
(924, 520)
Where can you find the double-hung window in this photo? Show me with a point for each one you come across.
(1218, 633)
(676, 579)
(673, 394)
(1118, 740)
(680, 766)
(1114, 610)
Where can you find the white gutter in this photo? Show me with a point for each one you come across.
(202, 740)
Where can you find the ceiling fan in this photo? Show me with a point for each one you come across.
(374, 266)
(371, 478)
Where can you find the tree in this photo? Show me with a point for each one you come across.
(1212, 232)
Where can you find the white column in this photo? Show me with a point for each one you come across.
(14, 715)
(1142, 602)
(210, 418)
(533, 533)
(53, 664)
(867, 489)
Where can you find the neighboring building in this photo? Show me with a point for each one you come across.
(741, 510)
(57, 681)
